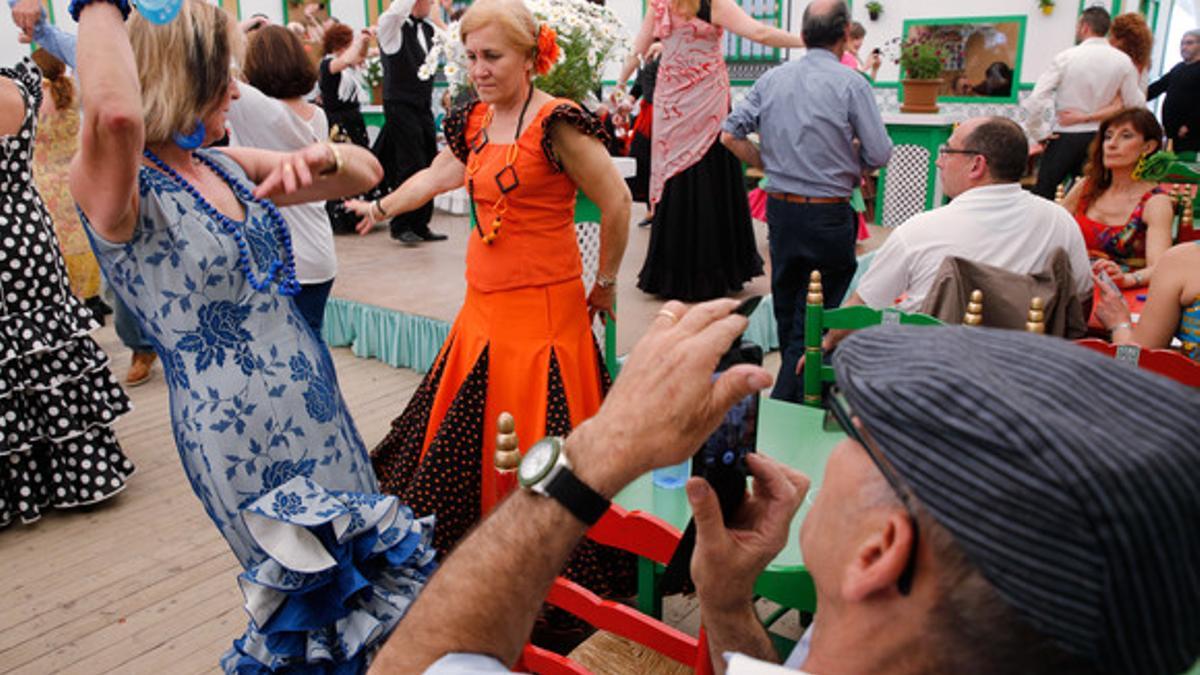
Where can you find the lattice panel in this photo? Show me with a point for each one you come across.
(904, 194)
(588, 237)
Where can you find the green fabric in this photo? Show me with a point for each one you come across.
(398, 339)
(856, 201)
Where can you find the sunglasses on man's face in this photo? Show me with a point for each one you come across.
(838, 415)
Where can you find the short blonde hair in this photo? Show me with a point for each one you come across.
(183, 66)
(513, 18)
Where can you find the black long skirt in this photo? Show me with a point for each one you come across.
(702, 241)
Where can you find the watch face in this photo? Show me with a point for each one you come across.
(537, 461)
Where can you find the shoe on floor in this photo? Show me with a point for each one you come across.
(140, 368)
(430, 235)
(407, 237)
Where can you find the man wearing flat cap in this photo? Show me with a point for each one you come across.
(981, 516)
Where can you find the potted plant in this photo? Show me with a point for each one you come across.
(920, 58)
(372, 75)
(874, 9)
(1047, 6)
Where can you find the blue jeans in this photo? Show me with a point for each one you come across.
(803, 238)
(127, 327)
(311, 302)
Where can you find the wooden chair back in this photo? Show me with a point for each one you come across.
(636, 532)
(817, 320)
(1165, 362)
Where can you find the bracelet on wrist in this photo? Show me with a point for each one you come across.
(606, 280)
(1123, 324)
(337, 161)
(377, 205)
(76, 7)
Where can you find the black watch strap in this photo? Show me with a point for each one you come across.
(582, 501)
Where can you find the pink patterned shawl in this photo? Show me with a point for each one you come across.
(692, 95)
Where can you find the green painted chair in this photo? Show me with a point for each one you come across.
(817, 320)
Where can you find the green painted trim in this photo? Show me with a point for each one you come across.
(1019, 19)
(1113, 9)
(50, 11)
(286, 17)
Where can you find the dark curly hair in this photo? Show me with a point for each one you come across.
(1097, 178)
(277, 65)
(1131, 34)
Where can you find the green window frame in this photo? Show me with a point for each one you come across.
(740, 50)
(1019, 19)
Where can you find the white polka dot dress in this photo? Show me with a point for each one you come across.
(58, 399)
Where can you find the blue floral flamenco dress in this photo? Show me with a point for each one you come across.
(58, 399)
(263, 433)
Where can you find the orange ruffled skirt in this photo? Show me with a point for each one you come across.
(529, 352)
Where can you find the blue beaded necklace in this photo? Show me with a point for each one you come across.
(282, 270)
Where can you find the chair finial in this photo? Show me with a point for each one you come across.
(816, 296)
(1037, 316)
(1060, 193)
(974, 315)
(508, 451)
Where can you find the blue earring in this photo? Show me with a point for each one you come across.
(190, 141)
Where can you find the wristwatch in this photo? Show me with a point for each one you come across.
(545, 470)
(605, 281)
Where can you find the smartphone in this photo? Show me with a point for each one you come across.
(747, 306)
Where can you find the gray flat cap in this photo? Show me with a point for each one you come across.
(1070, 480)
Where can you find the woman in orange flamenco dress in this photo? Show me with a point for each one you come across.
(522, 342)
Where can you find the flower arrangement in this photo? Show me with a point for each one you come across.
(575, 42)
(920, 56)
(372, 72)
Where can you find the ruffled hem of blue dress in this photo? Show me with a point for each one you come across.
(341, 570)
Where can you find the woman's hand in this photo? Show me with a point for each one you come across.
(1071, 117)
(601, 301)
(294, 171)
(1111, 309)
(366, 212)
(1119, 276)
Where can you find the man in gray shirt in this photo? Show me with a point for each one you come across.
(819, 129)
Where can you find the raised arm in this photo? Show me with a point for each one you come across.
(443, 175)
(390, 22)
(730, 16)
(353, 55)
(659, 410)
(103, 176)
(641, 43)
(589, 166)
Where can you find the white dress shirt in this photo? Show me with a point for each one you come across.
(1000, 225)
(1085, 77)
(259, 121)
(389, 33)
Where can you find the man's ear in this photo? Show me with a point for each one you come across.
(880, 558)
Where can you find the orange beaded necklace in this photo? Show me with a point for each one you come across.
(506, 178)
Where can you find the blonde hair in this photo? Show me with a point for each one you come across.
(183, 66)
(513, 18)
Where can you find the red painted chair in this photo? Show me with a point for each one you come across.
(643, 535)
(1165, 362)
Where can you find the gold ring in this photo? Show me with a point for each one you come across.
(669, 314)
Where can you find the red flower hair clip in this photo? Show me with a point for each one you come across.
(547, 49)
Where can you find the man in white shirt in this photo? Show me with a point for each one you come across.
(408, 141)
(1086, 77)
(991, 220)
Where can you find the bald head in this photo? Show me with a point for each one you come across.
(825, 23)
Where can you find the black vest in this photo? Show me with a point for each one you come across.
(400, 81)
